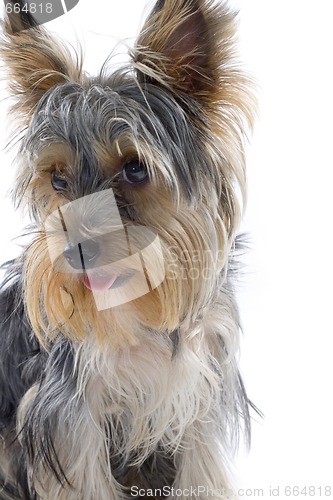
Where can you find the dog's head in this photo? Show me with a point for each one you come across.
(132, 178)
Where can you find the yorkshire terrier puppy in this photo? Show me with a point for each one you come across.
(119, 330)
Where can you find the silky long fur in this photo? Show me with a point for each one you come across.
(146, 394)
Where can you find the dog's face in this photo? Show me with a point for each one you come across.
(131, 178)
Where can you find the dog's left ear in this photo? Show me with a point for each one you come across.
(185, 44)
(35, 62)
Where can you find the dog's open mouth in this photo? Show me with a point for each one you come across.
(103, 282)
(99, 283)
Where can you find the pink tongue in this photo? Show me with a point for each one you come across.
(99, 283)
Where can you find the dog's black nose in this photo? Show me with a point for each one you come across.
(82, 255)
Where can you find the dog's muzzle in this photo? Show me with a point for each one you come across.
(82, 255)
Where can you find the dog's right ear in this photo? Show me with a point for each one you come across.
(35, 62)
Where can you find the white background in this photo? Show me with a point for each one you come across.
(285, 294)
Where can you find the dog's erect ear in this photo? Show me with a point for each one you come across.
(185, 43)
(34, 61)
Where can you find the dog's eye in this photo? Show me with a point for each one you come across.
(134, 172)
(58, 181)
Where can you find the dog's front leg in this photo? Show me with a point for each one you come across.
(62, 436)
(202, 471)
